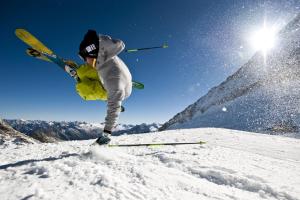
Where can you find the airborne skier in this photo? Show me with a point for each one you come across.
(101, 52)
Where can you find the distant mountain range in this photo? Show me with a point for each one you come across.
(262, 96)
(8, 134)
(51, 131)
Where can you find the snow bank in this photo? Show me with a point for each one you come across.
(232, 165)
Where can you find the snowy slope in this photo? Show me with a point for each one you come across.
(260, 96)
(232, 165)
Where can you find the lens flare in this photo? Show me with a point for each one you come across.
(264, 39)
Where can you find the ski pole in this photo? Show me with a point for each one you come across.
(155, 144)
(146, 48)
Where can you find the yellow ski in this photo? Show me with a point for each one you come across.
(34, 53)
(32, 41)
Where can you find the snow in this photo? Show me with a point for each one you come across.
(231, 165)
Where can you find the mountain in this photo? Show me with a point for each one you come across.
(55, 131)
(52, 131)
(231, 165)
(138, 129)
(8, 134)
(261, 96)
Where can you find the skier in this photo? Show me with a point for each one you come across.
(101, 52)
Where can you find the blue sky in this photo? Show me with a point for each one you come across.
(207, 43)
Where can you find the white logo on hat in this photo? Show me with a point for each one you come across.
(90, 48)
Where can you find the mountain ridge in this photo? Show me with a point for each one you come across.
(55, 131)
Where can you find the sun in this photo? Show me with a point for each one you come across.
(264, 39)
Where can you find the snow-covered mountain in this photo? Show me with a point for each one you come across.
(138, 129)
(8, 134)
(260, 96)
(231, 165)
(52, 131)
(57, 131)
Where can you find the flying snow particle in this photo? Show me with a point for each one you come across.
(224, 109)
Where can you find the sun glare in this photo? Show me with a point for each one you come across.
(264, 39)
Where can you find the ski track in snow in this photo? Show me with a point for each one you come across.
(232, 165)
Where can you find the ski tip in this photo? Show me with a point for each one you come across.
(19, 30)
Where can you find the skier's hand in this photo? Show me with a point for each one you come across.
(71, 63)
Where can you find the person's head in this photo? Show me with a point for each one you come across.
(89, 47)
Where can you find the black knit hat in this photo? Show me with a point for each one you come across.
(89, 46)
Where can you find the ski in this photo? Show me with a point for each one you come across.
(32, 41)
(34, 53)
(155, 144)
(41, 51)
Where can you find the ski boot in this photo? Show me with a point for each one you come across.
(103, 139)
